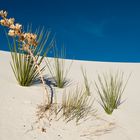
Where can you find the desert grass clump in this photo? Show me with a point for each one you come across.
(110, 89)
(86, 82)
(57, 69)
(24, 69)
(76, 105)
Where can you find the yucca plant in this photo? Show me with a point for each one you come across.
(86, 82)
(30, 43)
(22, 64)
(76, 105)
(57, 69)
(110, 89)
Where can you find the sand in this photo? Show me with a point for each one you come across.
(18, 106)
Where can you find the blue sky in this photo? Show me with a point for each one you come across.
(100, 30)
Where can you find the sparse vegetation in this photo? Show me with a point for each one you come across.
(28, 50)
(76, 105)
(22, 64)
(86, 82)
(110, 89)
(57, 68)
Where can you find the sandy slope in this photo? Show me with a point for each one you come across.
(18, 107)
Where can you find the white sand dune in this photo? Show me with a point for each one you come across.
(18, 106)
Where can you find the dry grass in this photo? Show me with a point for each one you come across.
(76, 105)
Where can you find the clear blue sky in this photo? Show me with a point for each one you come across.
(100, 30)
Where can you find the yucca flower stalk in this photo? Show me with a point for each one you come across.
(28, 42)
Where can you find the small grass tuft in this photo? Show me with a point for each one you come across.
(76, 105)
(110, 89)
(57, 69)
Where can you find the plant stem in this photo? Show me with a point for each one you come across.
(46, 99)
